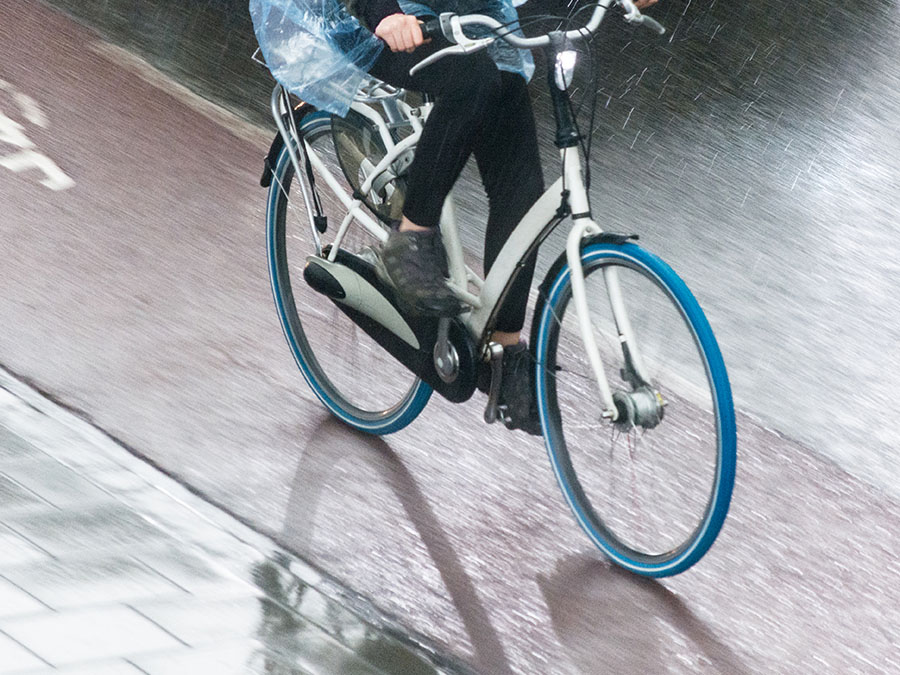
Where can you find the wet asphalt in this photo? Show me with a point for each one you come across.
(758, 153)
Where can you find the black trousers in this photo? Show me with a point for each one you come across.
(478, 110)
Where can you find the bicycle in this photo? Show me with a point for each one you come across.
(624, 419)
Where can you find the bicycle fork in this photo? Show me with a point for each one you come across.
(642, 403)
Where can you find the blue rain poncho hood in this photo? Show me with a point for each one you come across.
(319, 51)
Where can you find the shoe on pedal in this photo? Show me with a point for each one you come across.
(415, 264)
(517, 400)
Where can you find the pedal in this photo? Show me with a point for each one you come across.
(493, 412)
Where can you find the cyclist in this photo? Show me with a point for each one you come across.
(482, 107)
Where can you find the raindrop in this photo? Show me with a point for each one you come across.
(838, 101)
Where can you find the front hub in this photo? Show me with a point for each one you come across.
(644, 407)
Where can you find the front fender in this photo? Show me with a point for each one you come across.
(560, 262)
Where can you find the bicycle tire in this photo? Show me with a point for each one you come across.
(675, 507)
(390, 397)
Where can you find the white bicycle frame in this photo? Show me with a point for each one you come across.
(489, 291)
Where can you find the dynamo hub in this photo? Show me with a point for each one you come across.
(644, 407)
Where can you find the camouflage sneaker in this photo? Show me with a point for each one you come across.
(415, 264)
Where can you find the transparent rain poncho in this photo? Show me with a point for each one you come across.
(315, 48)
(319, 51)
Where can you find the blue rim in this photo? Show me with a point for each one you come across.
(392, 420)
(706, 533)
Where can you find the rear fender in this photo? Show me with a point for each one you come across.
(299, 113)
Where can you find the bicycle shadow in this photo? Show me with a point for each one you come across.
(610, 620)
(320, 458)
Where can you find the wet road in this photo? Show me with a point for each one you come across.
(136, 292)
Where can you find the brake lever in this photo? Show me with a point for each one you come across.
(468, 48)
(463, 43)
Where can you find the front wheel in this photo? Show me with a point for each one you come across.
(651, 489)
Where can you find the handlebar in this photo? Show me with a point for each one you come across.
(431, 28)
(450, 26)
(633, 15)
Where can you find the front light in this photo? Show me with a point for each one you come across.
(565, 67)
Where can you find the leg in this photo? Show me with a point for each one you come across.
(467, 89)
(509, 162)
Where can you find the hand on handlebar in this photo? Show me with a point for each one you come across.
(401, 32)
(451, 26)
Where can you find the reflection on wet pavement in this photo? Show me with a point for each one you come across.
(108, 567)
(294, 615)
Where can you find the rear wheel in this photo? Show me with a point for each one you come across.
(351, 374)
(652, 489)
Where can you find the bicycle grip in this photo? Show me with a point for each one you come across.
(431, 27)
(653, 25)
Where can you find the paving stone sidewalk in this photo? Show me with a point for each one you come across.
(107, 567)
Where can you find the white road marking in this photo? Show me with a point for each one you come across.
(31, 110)
(55, 178)
(27, 157)
(13, 133)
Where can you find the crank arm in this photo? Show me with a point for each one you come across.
(492, 412)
